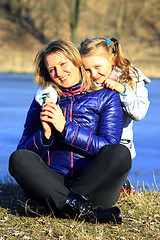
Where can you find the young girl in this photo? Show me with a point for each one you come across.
(103, 60)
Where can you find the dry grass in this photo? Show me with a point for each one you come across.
(22, 61)
(141, 219)
(150, 68)
(17, 55)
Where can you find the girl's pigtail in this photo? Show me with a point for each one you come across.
(113, 44)
(116, 45)
(123, 63)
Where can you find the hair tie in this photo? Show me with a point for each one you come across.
(108, 41)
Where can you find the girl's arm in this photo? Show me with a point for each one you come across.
(139, 102)
(135, 102)
(139, 105)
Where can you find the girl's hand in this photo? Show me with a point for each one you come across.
(52, 116)
(114, 85)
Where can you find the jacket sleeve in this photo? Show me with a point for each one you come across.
(109, 128)
(128, 97)
(33, 138)
(136, 103)
(139, 105)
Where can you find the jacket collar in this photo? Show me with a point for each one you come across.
(74, 90)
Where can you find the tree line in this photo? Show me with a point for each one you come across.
(76, 19)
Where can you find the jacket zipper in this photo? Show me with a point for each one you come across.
(71, 109)
(49, 160)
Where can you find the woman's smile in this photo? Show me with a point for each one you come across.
(63, 79)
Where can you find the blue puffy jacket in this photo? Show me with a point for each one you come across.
(93, 119)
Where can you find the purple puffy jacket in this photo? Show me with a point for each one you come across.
(93, 119)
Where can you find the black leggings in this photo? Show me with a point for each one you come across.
(100, 182)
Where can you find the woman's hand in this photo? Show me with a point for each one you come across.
(52, 116)
(114, 85)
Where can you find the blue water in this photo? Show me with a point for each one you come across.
(16, 95)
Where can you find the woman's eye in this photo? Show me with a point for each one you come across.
(97, 66)
(63, 63)
(51, 70)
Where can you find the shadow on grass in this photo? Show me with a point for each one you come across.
(11, 196)
(14, 199)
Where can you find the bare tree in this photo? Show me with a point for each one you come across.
(139, 18)
(151, 22)
(74, 14)
(120, 17)
(21, 12)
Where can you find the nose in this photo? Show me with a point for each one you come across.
(93, 73)
(58, 71)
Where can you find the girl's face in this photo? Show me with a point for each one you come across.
(61, 70)
(98, 68)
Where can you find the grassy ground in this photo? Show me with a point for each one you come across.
(141, 219)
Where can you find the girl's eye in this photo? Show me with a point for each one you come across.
(63, 63)
(97, 66)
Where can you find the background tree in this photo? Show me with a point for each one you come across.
(132, 21)
(28, 14)
(74, 15)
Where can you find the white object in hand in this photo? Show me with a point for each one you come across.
(49, 92)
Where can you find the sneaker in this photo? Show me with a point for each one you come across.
(128, 187)
(77, 207)
(112, 215)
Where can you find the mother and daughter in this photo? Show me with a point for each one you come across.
(70, 156)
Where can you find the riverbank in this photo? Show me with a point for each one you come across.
(19, 57)
(17, 65)
(141, 219)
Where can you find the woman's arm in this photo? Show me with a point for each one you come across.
(109, 131)
(42, 94)
(33, 137)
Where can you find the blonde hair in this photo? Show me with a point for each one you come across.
(42, 76)
(112, 46)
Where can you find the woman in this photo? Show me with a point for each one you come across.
(69, 154)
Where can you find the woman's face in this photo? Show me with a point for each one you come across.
(61, 70)
(98, 68)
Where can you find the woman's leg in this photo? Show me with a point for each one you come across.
(100, 182)
(38, 181)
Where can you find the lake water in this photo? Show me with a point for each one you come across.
(16, 95)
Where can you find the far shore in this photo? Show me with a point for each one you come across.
(150, 72)
(17, 65)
